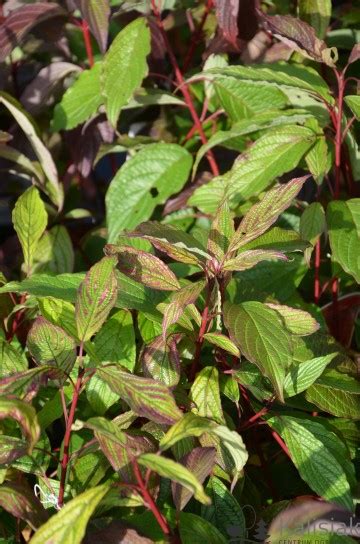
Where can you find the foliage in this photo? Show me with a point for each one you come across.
(180, 260)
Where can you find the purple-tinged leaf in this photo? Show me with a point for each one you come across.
(51, 345)
(117, 533)
(36, 94)
(19, 500)
(25, 385)
(200, 461)
(25, 415)
(304, 514)
(221, 232)
(96, 13)
(160, 360)
(300, 36)
(263, 214)
(249, 259)
(145, 268)
(11, 448)
(176, 243)
(296, 321)
(147, 398)
(118, 446)
(227, 15)
(96, 297)
(355, 54)
(20, 21)
(179, 302)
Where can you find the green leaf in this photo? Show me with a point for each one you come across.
(99, 395)
(320, 460)
(194, 529)
(193, 425)
(317, 13)
(221, 232)
(29, 218)
(69, 524)
(281, 74)
(278, 151)
(246, 127)
(245, 99)
(115, 342)
(344, 227)
(146, 397)
(96, 13)
(259, 333)
(305, 374)
(221, 341)
(51, 345)
(11, 360)
(161, 361)
(318, 159)
(248, 259)
(146, 180)
(286, 241)
(62, 287)
(312, 225)
(296, 321)
(225, 511)
(25, 415)
(80, 102)
(54, 253)
(263, 214)
(205, 394)
(353, 101)
(167, 468)
(121, 76)
(337, 394)
(200, 462)
(96, 297)
(174, 242)
(52, 187)
(144, 268)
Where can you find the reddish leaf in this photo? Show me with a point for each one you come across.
(96, 13)
(25, 385)
(200, 461)
(160, 360)
(145, 268)
(179, 301)
(19, 500)
(355, 54)
(21, 21)
(227, 13)
(117, 533)
(300, 36)
(341, 316)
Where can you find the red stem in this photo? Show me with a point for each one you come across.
(149, 500)
(317, 286)
(197, 36)
(67, 436)
(87, 42)
(184, 89)
(281, 443)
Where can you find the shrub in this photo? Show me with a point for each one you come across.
(179, 280)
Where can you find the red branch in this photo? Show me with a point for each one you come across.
(67, 436)
(200, 339)
(184, 89)
(149, 500)
(87, 42)
(281, 443)
(197, 36)
(317, 286)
